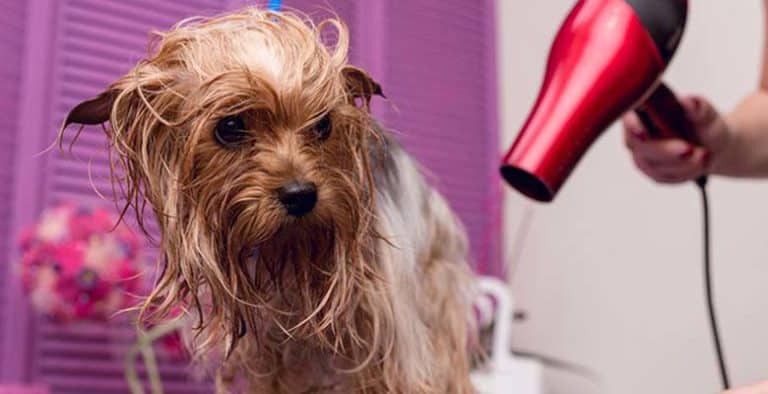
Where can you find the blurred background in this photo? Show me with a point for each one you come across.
(608, 276)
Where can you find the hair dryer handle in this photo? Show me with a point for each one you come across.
(664, 117)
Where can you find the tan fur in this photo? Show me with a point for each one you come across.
(368, 293)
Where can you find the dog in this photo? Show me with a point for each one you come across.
(305, 242)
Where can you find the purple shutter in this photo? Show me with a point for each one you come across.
(12, 17)
(435, 60)
(439, 71)
(440, 74)
(346, 10)
(95, 42)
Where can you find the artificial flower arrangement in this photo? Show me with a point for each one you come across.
(82, 264)
(77, 265)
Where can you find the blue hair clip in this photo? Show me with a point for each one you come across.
(274, 5)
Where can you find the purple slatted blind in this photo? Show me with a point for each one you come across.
(12, 17)
(96, 41)
(319, 10)
(435, 59)
(440, 74)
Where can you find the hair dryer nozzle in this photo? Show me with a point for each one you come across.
(528, 183)
(603, 63)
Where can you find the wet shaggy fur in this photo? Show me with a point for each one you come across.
(369, 292)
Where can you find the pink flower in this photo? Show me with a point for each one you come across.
(76, 264)
(54, 224)
(101, 252)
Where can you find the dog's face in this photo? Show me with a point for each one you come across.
(249, 138)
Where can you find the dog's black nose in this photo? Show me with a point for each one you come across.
(298, 198)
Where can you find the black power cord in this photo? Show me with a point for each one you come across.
(702, 184)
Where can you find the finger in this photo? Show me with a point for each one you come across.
(706, 120)
(651, 172)
(696, 161)
(664, 151)
(685, 170)
(634, 131)
(699, 110)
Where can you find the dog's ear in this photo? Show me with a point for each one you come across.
(93, 111)
(360, 85)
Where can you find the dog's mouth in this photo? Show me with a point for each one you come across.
(302, 222)
(293, 246)
(306, 232)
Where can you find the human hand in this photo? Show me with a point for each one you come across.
(674, 160)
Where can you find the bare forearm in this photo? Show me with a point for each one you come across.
(747, 152)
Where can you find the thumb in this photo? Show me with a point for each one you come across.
(700, 111)
(706, 119)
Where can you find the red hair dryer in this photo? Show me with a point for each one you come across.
(606, 59)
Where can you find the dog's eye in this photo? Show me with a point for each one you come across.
(230, 131)
(323, 127)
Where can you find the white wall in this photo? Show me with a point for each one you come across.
(611, 272)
